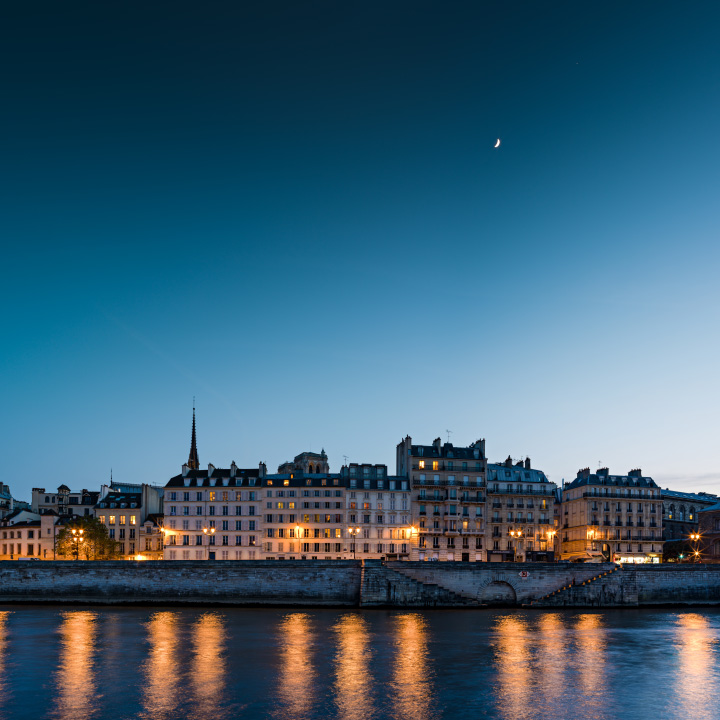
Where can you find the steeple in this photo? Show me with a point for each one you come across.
(193, 462)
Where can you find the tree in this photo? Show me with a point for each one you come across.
(94, 544)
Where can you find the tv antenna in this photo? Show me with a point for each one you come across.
(449, 433)
(345, 458)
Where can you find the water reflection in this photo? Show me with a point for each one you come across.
(353, 682)
(515, 699)
(552, 657)
(75, 678)
(208, 666)
(590, 635)
(161, 670)
(697, 689)
(412, 684)
(297, 677)
(4, 690)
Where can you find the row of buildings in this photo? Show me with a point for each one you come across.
(444, 503)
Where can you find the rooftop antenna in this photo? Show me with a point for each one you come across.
(449, 433)
(345, 458)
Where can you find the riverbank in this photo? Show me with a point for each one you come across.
(350, 583)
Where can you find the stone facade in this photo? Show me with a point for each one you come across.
(63, 501)
(612, 517)
(681, 512)
(709, 529)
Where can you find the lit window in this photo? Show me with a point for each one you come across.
(133, 519)
(286, 482)
(212, 495)
(436, 464)
(112, 520)
(422, 464)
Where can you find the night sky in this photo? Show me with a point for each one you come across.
(294, 212)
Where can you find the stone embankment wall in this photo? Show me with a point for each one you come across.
(338, 583)
(262, 582)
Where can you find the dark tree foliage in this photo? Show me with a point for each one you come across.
(93, 544)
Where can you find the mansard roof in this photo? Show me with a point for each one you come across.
(602, 477)
(702, 498)
(518, 473)
(121, 500)
(446, 450)
(217, 477)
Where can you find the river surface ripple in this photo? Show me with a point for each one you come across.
(91, 663)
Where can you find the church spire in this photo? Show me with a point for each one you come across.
(193, 462)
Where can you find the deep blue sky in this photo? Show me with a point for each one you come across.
(294, 211)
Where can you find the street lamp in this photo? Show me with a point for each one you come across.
(551, 540)
(695, 537)
(515, 534)
(77, 539)
(209, 532)
(353, 532)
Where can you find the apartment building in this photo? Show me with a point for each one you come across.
(214, 514)
(612, 517)
(63, 501)
(520, 513)
(123, 509)
(448, 498)
(379, 513)
(680, 511)
(303, 516)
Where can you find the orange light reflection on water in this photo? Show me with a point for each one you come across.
(353, 682)
(591, 642)
(412, 679)
(208, 666)
(74, 680)
(697, 686)
(552, 638)
(161, 669)
(516, 698)
(297, 676)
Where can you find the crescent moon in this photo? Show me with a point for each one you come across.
(497, 144)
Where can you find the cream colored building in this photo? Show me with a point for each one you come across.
(448, 498)
(520, 513)
(123, 508)
(379, 514)
(214, 514)
(612, 517)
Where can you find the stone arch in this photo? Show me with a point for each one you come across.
(498, 589)
(498, 592)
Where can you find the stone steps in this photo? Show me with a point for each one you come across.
(381, 586)
(580, 594)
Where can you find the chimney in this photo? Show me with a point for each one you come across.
(233, 469)
(185, 469)
(527, 463)
(211, 469)
(508, 461)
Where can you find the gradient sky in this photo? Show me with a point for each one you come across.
(294, 212)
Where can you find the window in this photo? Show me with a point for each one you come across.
(112, 520)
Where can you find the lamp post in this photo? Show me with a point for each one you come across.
(209, 532)
(77, 539)
(551, 540)
(353, 533)
(515, 534)
(695, 537)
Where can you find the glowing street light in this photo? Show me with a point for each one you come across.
(353, 532)
(209, 532)
(516, 535)
(77, 539)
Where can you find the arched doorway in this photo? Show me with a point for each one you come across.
(498, 592)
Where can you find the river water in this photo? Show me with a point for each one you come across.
(213, 664)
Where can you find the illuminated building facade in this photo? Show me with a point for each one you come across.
(123, 509)
(612, 517)
(379, 513)
(448, 498)
(214, 514)
(681, 512)
(520, 513)
(709, 530)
